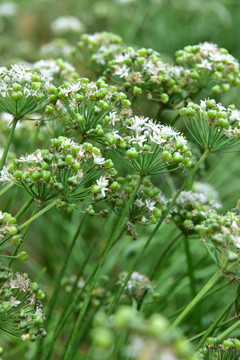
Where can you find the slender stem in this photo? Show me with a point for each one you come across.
(58, 281)
(224, 334)
(29, 221)
(141, 253)
(53, 299)
(195, 337)
(214, 324)
(197, 298)
(24, 233)
(163, 255)
(24, 208)
(192, 279)
(8, 143)
(118, 228)
(157, 266)
(70, 303)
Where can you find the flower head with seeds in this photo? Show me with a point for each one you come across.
(93, 110)
(191, 209)
(212, 125)
(147, 207)
(60, 171)
(21, 310)
(209, 64)
(150, 147)
(23, 91)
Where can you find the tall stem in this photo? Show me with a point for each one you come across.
(141, 253)
(120, 224)
(70, 301)
(29, 221)
(213, 326)
(224, 334)
(197, 298)
(58, 281)
(8, 143)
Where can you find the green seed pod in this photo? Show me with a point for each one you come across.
(132, 153)
(23, 255)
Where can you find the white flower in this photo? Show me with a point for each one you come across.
(67, 23)
(98, 159)
(5, 176)
(8, 9)
(121, 71)
(14, 302)
(31, 158)
(139, 202)
(235, 115)
(103, 182)
(205, 64)
(150, 204)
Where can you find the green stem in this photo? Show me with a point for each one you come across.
(141, 253)
(8, 143)
(23, 208)
(190, 266)
(197, 298)
(224, 334)
(195, 337)
(29, 221)
(70, 303)
(94, 275)
(163, 255)
(214, 324)
(57, 285)
(58, 281)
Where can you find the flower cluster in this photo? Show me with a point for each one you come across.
(55, 71)
(21, 310)
(93, 110)
(150, 147)
(191, 209)
(145, 339)
(212, 125)
(63, 171)
(23, 91)
(137, 285)
(65, 24)
(222, 232)
(136, 70)
(210, 64)
(148, 205)
(228, 349)
(8, 227)
(103, 46)
(143, 70)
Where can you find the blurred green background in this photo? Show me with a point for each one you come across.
(165, 25)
